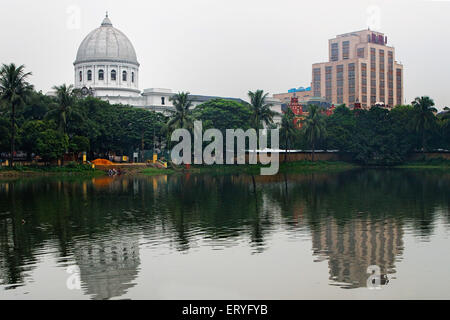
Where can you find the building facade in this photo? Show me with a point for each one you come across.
(361, 68)
(301, 94)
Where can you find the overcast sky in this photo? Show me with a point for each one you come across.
(227, 47)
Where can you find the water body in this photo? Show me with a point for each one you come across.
(303, 236)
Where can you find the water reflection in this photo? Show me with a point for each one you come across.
(109, 265)
(352, 247)
(105, 226)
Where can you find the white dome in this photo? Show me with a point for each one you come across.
(106, 44)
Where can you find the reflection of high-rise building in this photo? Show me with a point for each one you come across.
(108, 266)
(353, 246)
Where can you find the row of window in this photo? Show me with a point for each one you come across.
(373, 76)
(101, 75)
(364, 83)
(351, 82)
(399, 86)
(391, 78)
(382, 76)
(360, 52)
(340, 84)
(334, 52)
(328, 80)
(317, 81)
(345, 51)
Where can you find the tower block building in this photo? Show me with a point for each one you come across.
(361, 69)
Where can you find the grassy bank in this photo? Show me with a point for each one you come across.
(71, 169)
(289, 167)
(437, 163)
(156, 171)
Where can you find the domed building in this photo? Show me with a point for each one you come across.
(107, 67)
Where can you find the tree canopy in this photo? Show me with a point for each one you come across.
(67, 123)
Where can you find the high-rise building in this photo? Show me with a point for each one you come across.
(361, 68)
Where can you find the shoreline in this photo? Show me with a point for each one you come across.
(33, 172)
(304, 166)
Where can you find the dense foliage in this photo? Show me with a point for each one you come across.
(224, 114)
(91, 125)
(67, 123)
(380, 136)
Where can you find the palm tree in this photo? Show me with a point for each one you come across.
(66, 97)
(13, 90)
(314, 127)
(423, 117)
(261, 112)
(288, 129)
(182, 116)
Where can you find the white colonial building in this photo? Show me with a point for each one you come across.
(107, 67)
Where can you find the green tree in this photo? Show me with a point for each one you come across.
(4, 134)
(314, 127)
(66, 98)
(288, 130)
(14, 88)
(117, 128)
(223, 114)
(182, 116)
(340, 128)
(51, 145)
(423, 118)
(141, 128)
(261, 112)
(37, 106)
(79, 144)
(378, 139)
(31, 132)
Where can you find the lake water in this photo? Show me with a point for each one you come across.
(308, 236)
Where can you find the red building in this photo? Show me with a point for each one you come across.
(330, 111)
(300, 115)
(297, 109)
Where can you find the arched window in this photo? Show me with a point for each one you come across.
(113, 75)
(81, 76)
(132, 77)
(163, 101)
(89, 75)
(101, 74)
(124, 76)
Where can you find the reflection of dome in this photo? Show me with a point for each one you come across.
(108, 267)
(106, 44)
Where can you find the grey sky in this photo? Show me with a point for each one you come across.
(227, 47)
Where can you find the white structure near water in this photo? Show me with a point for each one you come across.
(107, 67)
